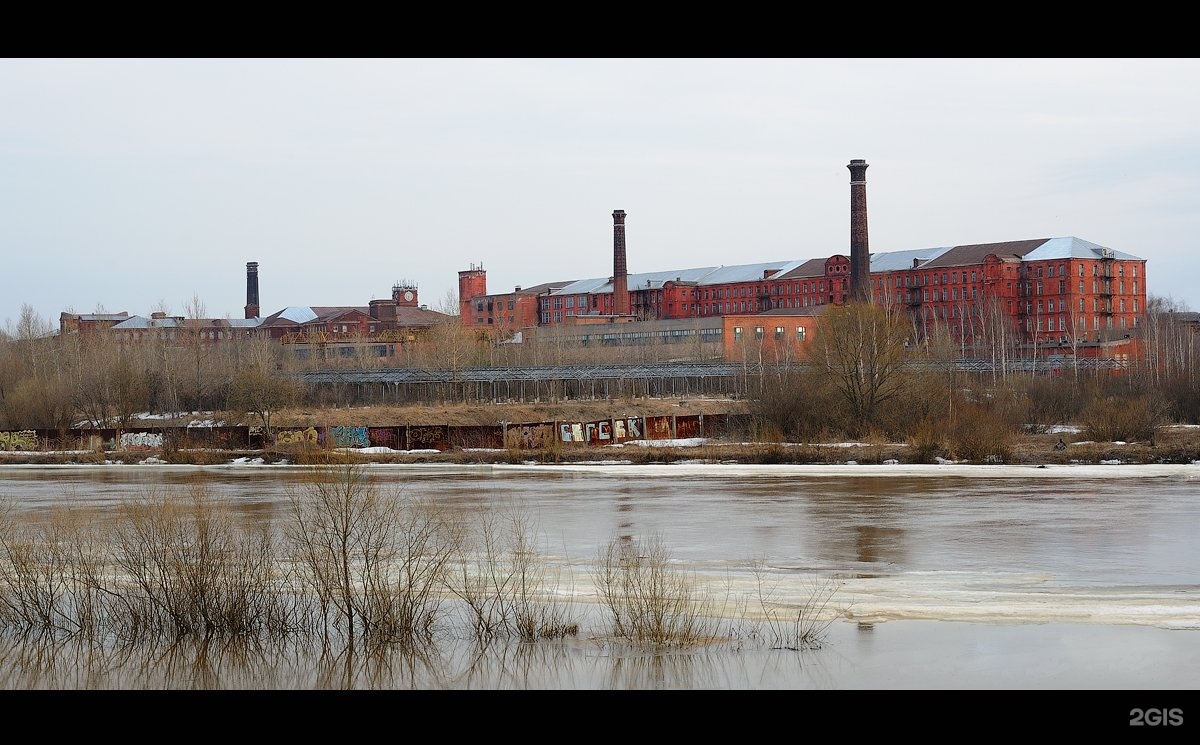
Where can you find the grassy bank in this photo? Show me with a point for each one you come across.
(1170, 445)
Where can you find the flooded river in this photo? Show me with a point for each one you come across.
(946, 576)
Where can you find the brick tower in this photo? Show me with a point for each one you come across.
(620, 273)
(252, 289)
(472, 283)
(860, 254)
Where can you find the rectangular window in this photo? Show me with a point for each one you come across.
(800, 333)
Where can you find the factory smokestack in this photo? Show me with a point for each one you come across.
(620, 274)
(860, 254)
(251, 289)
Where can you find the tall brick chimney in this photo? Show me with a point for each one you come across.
(620, 274)
(860, 254)
(251, 289)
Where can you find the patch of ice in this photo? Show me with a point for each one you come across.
(891, 462)
(602, 463)
(687, 442)
(1113, 462)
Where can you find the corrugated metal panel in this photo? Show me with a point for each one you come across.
(891, 261)
(1074, 248)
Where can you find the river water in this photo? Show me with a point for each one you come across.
(946, 577)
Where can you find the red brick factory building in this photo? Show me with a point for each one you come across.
(1050, 295)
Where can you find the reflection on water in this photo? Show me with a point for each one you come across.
(74, 664)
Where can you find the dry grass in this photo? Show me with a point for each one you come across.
(463, 415)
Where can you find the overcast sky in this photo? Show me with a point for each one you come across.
(143, 184)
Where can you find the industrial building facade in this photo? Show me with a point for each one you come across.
(1060, 295)
(379, 330)
(1042, 295)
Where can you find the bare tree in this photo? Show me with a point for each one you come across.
(194, 339)
(862, 348)
(110, 385)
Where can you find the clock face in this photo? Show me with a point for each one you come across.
(408, 295)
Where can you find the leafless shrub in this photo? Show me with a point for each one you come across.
(1051, 401)
(651, 601)
(504, 585)
(982, 434)
(34, 594)
(375, 559)
(192, 571)
(804, 624)
(1113, 418)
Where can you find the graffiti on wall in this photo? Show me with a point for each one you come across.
(571, 431)
(297, 436)
(426, 438)
(529, 436)
(382, 436)
(141, 440)
(349, 437)
(658, 427)
(25, 439)
(600, 432)
(629, 428)
(515, 435)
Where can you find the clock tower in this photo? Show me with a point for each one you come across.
(405, 294)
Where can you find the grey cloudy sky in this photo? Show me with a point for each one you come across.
(133, 184)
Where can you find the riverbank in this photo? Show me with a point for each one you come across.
(1063, 445)
(1172, 446)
